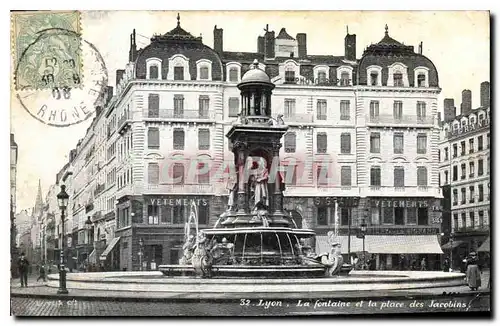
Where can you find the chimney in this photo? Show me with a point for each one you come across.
(119, 75)
(420, 47)
(302, 43)
(350, 47)
(132, 53)
(260, 44)
(466, 105)
(449, 109)
(485, 94)
(218, 40)
(269, 43)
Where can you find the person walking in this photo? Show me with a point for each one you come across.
(423, 265)
(473, 272)
(41, 274)
(446, 265)
(23, 266)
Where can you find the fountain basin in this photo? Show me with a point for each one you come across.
(236, 286)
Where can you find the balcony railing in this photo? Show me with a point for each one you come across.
(298, 118)
(178, 114)
(477, 228)
(404, 120)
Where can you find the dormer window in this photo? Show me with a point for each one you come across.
(374, 74)
(344, 79)
(321, 74)
(233, 75)
(420, 80)
(289, 76)
(233, 72)
(153, 66)
(204, 73)
(373, 78)
(344, 75)
(398, 79)
(204, 69)
(321, 77)
(178, 73)
(421, 77)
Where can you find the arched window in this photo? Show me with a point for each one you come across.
(153, 72)
(398, 79)
(344, 79)
(289, 75)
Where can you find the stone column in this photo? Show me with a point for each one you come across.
(278, 195)
(241, 153)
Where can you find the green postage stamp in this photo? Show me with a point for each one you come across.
(47, 49)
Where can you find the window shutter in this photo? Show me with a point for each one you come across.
(153, 173)
(153, 138)
(345, 143)
(203, 139)
(153, 106)
(178, 139)
(345, 175)
(321, 139)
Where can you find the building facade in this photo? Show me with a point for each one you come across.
(13, 230)
(465, 170)
(370, 125)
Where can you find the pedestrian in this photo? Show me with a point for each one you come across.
(402, 264)
(473, 272)
(41, 274)
(423, 264)
(23, 266)
(446, 265)
(372, 263)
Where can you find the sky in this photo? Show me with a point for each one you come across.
(458, 43)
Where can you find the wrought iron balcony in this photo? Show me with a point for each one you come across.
(383, 119)
(171, 114)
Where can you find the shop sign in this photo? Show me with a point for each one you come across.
(399, 203)
(342, 201)
(178, 201)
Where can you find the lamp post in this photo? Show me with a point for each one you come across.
(141, 245)
(363, 233)
(62, 200)
(88, 227)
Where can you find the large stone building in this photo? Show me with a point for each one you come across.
(465, 172)
(369, 124)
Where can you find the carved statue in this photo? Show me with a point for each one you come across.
(280, 119)
(202, 259)
(333, 260)
(188, 249)
(232, 187)
(276, 122)
(259, 186)
(222, 253)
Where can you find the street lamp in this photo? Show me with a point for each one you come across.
(62, 200)
(88, 227)
(363, 233)
(141, 245)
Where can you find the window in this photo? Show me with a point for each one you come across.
(178, 173)
(345, 110)
(464, 222)
(397, 109)
(480, 143)
(321, 140)
(345, 176)
(203, 214)
(153, 214)
(462, 148)
(464, 196)
(290, 174)
(204, 73)
(178, 73)
(464, 172)
(398, 143)
(421, 80)
(399, 176)
(421, 143)
(178, 214)
(455, 173)
(289, 108)
(234, 107)
(423, 215)
(290, 76)
(480, 189)
(481, 218)
(455, 220)
(345, 143)
(471, 145)
(322, 216)
(322, 175)
(488, 140)
(165, 215)
(203, 139)
(471, 197)
(445, 177)
(480, 167)
(153, 72)
(344, 216)
(178, 139)
(411, 215)
(373, 78)
(388, 215)
(471, 169)
(455, 150)
(455, 196)
(344, 79)
(446, 153)
(472, 219)
(398, 79)
(153, 106)
(321, 77)
(204, 104)
(203, 178)
(178, 106)
(399, 216)
(421, 176)
(233, 75)
(153, 138)
(374, 109)
(153, 173)
(375, 176)
(421, 110)
(375, 142)
(290, 142)
(321, 110)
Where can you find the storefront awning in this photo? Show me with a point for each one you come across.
(386, 244)
(110, 247)
(485, 247)
(452, 244)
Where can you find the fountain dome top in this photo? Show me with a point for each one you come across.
(255, 75)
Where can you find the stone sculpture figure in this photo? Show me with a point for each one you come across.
(202, 259)
(260, 188)
(188, 249)
(232, 187)
(333, 260)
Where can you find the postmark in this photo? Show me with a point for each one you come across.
(43, 60)
(67, 95)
